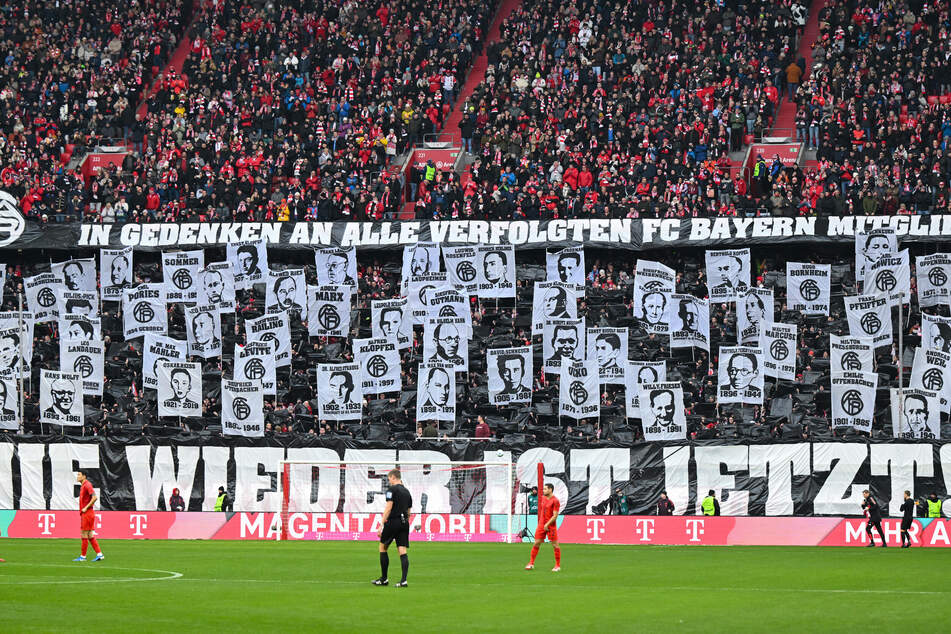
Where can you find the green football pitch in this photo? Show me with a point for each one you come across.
(293, 586)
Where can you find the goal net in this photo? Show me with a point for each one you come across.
(452, 501)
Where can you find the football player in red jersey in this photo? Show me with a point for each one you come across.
(87, 517)
(548, 507)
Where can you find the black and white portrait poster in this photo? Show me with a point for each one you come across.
(254, 362)
(379, 361)
(916, 414)
(552, 300)
(16, 332)
(203, 326)
(77, 275)
(689, 322)
(851, 354)
(579, 392)
(435, 392)
(61, 398)
(870, 246)
(286, 290)
(419, 292)
(328, 310)
(115, 272)
(662, 411)
(449, 302)
(157, 349)
(76, 327)
(870, 317)
(754, 310)
(445, 340)
(779, 351)
(180, 272)
(249, 262)
(510, 375)
(853, 399)
(728, 274)
(562, 342)
(654, 283)
(462, 268)
(639, 373)
(419, 260)
(336, 267)
(496, 271)
(933, 273)
(608, 348)
(740, 375)
(215, 286)
(889, 276)
(566, 266)
(9, 404)
(932, 371)
(179, 389)
(77, 303)
(274, 329)
(85, 358)
(388, 320)
(41, 291)
(339, 391)
(936, 332)
(808, 287)
(144, 310)
(242, 408)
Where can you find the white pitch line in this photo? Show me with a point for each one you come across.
(169, 575)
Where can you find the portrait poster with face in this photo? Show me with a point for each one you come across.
(510, 375)
(936, 332)
(179, 389)
(180, 271)
(662, 411)
(754, 311)
(562, 342)
(87, 359)
(339, 391)
(870, 316)
(932, 371)
(61, 398)
(916, 414)
(336, 267)
(740, 375)
(640, 373)
(157, 349)
(379, 361)
(653, 285)
(388, 320)
(16, 332)
(328, 310)
(419, 260)
(203, 326)
(242, 408)
(445, 340)
(275, 330)
(41, 292)
(779, 351)
(689, 322)
(435, 392)
(871, 245)
(608, 348)
(215, 286)
(462, 270)
(9, 404)
(853, 399)
(115, 272)
(932, 273)
(249, 262)
(144, 310)
(566, 266)
(286, 290)
(496, 270)
(77, 275)
(579, 392)
(73, 327)
(419, 293)
(552, 300)
(78, 303)
(254, 362)
(808, 287)
(890, 276)
(728, 274)
(851, 354)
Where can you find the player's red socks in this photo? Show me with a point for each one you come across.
(534, 554)
(85, 546)
(95, 546)
(558, 556)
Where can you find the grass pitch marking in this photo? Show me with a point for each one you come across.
(168, 575)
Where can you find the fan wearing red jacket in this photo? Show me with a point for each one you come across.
(87, 517)
(548, 507)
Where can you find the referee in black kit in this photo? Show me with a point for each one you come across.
(874, 518)
(396, 519)
(908, 515)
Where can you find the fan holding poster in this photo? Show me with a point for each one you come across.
(740, 375)
(510, 375)
(662, 411)
(562, 343)
(435, 392)
(61, 398)
(553, 300)
(242, 408)
(179, 389)
(728, 274)
(566, 266)
(339, 391)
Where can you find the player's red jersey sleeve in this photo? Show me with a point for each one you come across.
(85, 494)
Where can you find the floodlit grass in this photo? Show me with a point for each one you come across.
(325, 586)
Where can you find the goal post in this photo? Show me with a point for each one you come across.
(452, 500)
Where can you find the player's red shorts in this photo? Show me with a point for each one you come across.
(551, 533)
(88, 521)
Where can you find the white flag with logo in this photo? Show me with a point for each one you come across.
(851, 354)
(641, 373)
(870, 317)
(249, 262)
(654, 283)
(916, 415)
(853, 399)
(242, 408)
(203, 326)
(496, 270)
(275, 330)
(339, 391)
(379, 361)
(336, 267)
(448, 302)
(462, 270)
(215, 286)
(286, 290)
(61, 398)
(9, 404)
(579, 393)
(115, 272)
(779, 351)
(566, 266)
(889, 276)
(932, 371)
(608, 347)
(157, 349)
(389, 319)
(77, 275)
(933, 273)
(740, 375)
(662, 411)
(552, 300)
(754, 311)
(808, 287)
(445, 340)
(728, 274)
(328, 310)
(85, 358)
(562, 342)
(870, 246)
(689, 322)
(179, 389)
(510, 375)
(435, 392)
(41, 292)
(144, 310)
(179, 272)
(254, 362)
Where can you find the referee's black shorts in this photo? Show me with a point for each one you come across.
(905, 524)
(397, 532)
